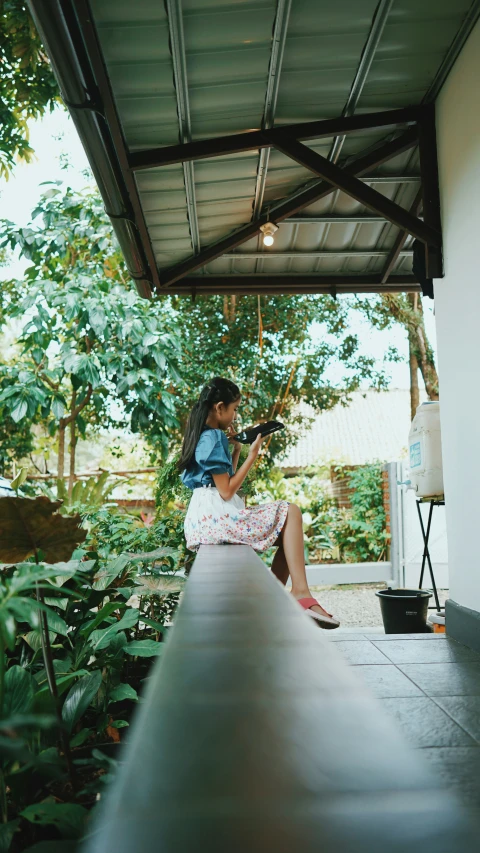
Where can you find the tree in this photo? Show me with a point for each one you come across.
(407, 309)
(27, 85)
(276, 348)
(87, 339)
(89, 343)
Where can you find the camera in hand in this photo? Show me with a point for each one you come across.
(248, 436)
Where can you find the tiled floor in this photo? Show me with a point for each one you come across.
(430, 684)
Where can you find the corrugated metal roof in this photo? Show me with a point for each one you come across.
(194, 69)
(374, 427)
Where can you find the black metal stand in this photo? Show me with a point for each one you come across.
(440, 501)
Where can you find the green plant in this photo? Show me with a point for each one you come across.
(105, 611)
(333, 533)
(170, 491)
(360, 533)
(109, 343)
(30, 528)
(86, 495)
(27, 85)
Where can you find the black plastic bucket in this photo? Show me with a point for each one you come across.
(404, 611)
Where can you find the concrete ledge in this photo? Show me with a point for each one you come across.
(462, 624)
(255, 736)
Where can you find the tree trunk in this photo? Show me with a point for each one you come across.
(73, 442)
(229, 308)
(61, 450)
(414, 389)
(422, 349)
(409, 312)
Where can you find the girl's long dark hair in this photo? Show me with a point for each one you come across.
(218, 390)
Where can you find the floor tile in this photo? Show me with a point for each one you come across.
(459, 767)
(465, 710)
(416, 651)
(424, 724)
(389, 637)
(361, 652)
(343, 636)
(445, 679)
(387, 681)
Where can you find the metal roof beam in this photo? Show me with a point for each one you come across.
(391, 179)
(376, 31)
(359, 165)
(274, 285)
(427, 146)
(353, 253)
(454, 50)
(177, 46)
(273, 82)
(400, 241)
(348, 183)
(334, 219)
(255, 139)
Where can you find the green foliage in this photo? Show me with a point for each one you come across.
(169, 490)
(333, 533)
(16, 440)
(277, 363)
(88, 494)
(105, 610)
(27, 85)
(87, 339)
(360, 533)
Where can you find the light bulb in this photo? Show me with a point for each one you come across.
(268, 231)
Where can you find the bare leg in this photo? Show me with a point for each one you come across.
(292, 538)
(279, 566)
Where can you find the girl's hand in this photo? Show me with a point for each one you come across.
(255, 447)
(230, 433)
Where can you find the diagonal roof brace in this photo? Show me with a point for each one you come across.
(358, 165)
(348, 183)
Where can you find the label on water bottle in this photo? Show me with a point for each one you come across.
(415, 455)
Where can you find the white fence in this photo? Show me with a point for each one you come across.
(411, 541)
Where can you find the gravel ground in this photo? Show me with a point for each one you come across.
(356, 605)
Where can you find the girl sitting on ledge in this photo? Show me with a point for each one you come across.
(217, 515)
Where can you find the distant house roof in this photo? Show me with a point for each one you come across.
(373, 427)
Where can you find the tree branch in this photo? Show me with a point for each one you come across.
(54, 386)
(76, 411)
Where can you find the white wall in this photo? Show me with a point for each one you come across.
(457, 307)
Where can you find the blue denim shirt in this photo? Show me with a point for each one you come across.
(212, 456)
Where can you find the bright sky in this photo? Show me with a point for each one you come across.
(56, 144)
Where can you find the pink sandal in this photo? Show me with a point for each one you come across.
(323, 621)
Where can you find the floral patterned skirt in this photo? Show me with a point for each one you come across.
(212, 521)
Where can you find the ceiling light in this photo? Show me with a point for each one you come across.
(268, 231)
